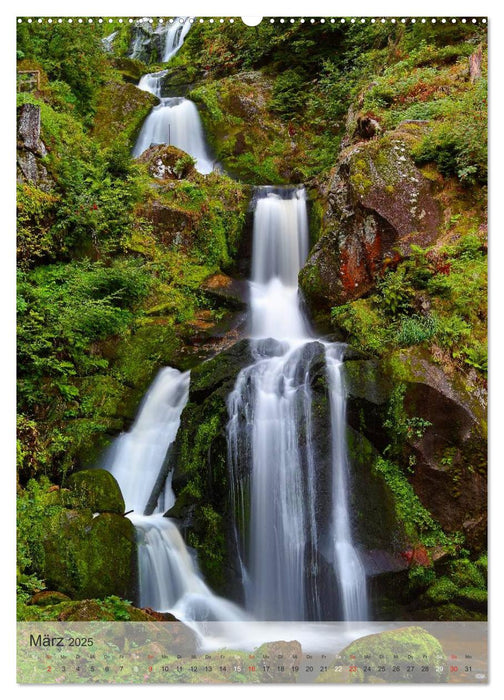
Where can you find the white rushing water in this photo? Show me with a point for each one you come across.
(171, 37)
(174, 36)
(270, 426)
(169, 579)
(136, 457)
(175, 121)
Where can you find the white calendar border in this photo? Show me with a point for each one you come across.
(226, 8)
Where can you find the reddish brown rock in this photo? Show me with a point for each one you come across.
(377, 205)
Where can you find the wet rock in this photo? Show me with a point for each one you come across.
(179, 80)
(226, 291)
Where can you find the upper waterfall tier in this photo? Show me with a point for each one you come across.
(280, 247)
(176, 122)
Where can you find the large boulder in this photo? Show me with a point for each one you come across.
(377, 204)
(447, 452)
(122, 108)
(97, 490)
(408, 649)
(167, 162)
(88, 557)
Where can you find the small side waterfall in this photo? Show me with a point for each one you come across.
(347, 564)
(175, 121)
(136, 457)
(270, 439)
(168, 575)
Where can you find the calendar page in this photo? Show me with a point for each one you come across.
(252, 350)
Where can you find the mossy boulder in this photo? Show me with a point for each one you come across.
(388, 397)
(130, 68)
(407, 648)
(96, 610)
(466, 574)
(122, 108)
(251, 142)
(44, 598)
(377, 204)
(167, 162)
(96, 490)
(88, 557)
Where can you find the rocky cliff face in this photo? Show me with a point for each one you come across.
(376, 204)
(31, 149)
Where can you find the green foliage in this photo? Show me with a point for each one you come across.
(454, 280)
(33, 509)
(415, 329)
(396, 291)
(289, 93)
(69, 53)
(183, 166)
(421, 576)
(400, 426)
(363, 322)
(63, 309)
(458, 144)
(418, 524)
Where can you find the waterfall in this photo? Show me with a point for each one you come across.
(348, 567)
(169, 579)
(270, 428)
(175, 120)
(164, 41)
(174, 37)
(136, 457)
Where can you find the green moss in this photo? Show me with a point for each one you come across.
(391, 646)
(443, 590)
(97, 490)
(416, 520)
(465, 574)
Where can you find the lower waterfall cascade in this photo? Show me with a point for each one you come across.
(270, 407)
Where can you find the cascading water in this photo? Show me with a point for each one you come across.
(169, 579)
(175, 121)
(292, 559)
(174, 37)
(270, 442)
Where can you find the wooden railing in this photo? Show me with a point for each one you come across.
(28, 80)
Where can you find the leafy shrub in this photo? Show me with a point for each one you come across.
(289, 94)
(396, 291)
